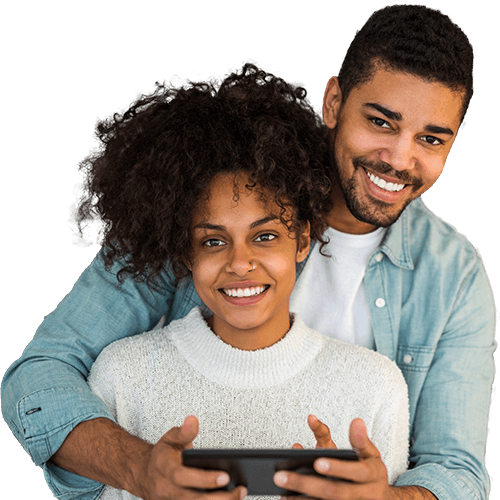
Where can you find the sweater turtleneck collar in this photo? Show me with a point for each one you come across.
(229, 366)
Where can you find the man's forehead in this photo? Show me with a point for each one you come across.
(402, 94)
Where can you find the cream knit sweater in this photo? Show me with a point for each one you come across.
(252, 399)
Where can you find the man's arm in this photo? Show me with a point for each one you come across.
(451, 418)
(101, 450)
(45, 394)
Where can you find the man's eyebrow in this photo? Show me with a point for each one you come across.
(394, 115)
(218, 227)
(436, 129)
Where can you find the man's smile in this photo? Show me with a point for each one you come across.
(383, 190)
(382, 184)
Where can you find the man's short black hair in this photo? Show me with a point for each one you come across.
(413, 39)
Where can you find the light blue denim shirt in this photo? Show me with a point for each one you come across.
(431, 310)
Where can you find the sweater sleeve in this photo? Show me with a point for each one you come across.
(390, 431)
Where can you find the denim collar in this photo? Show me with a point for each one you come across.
(396, 244)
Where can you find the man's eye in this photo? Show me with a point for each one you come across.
(265, 237)
(380, 122)
(430, 139)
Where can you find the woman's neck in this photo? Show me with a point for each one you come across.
(255, 338)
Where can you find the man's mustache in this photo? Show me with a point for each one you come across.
(381, 167)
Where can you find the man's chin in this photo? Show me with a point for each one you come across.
(376, 213)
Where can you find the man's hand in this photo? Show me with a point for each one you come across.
(164, 476)
(365, 479)
(321, 432)
(101, 450)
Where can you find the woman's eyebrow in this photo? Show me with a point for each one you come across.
(220, 227)
(264, 220)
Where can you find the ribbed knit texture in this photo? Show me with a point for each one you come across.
(252, 399)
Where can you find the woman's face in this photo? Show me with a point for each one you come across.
(244, 263)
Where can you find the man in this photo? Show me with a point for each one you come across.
(390, 135)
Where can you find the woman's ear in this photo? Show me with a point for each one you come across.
(332, 102)
(304, 243)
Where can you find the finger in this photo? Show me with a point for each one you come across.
(359, 440)
(191, 477)
(304, 484)
(182, 437)
(346, 470)
(321, 433)
(297, 446)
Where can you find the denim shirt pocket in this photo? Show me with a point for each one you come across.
(414, 358)
(414, 362)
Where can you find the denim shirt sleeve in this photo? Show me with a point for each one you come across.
(453, 406)
(437, 322)
(45, 393)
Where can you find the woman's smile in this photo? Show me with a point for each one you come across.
(243, 262)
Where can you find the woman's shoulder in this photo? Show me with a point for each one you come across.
(361, 363)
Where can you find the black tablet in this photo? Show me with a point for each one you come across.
(255, 468)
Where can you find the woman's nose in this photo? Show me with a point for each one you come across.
(240, 261)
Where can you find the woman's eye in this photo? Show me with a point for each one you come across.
(213, 242)
(265, 237)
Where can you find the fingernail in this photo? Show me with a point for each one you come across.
(322, 465)
(222, 479)
(243, 493)
(280, 478)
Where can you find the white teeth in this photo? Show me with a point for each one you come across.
(387, 186)
(244, 292)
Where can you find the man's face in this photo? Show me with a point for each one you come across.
(391, 138)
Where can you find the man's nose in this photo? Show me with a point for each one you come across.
(401, 154)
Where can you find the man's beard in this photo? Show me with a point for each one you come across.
(375, 212)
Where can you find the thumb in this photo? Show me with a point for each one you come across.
(359, 439)
(182, 437)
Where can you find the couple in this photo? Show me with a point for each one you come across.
(415, 291)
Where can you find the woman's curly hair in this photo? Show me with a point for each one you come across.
(158, 157)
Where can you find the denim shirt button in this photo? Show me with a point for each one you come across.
(380, 302)
(408, 359)
(379, 257)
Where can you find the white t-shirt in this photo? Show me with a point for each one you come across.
(329, 294)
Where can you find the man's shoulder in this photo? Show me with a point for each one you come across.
(432, 237)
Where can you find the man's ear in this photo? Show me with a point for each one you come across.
(304, 243)
(332, 102)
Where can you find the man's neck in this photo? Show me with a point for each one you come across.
(341, 219)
